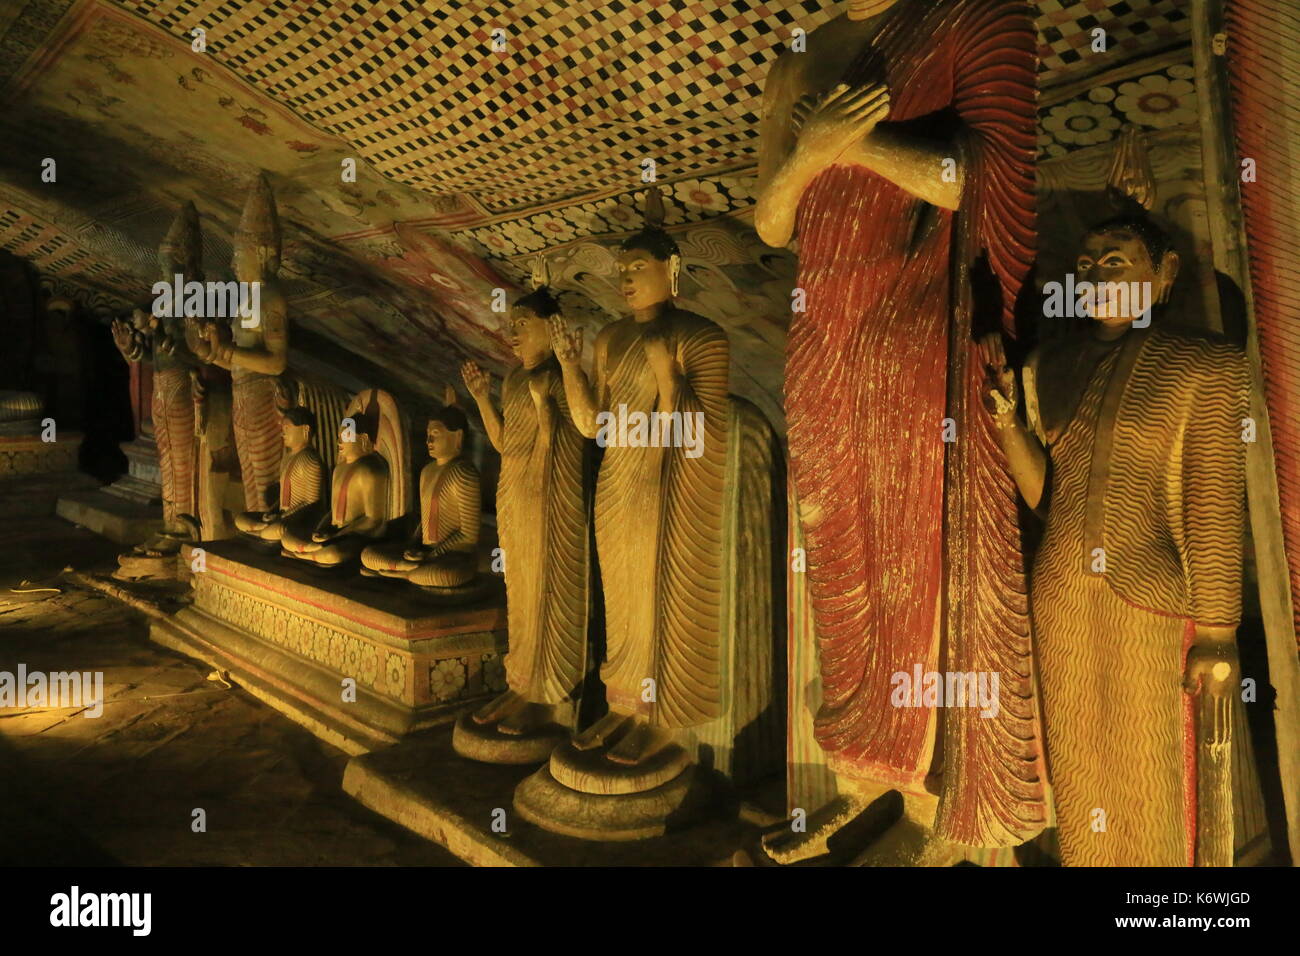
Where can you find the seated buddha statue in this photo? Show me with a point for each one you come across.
(441, 551)
(302, 479)
(359, 511)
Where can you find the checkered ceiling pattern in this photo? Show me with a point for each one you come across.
(579, 93)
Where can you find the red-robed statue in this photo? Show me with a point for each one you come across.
(900, 146)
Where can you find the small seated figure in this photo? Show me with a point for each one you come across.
(440, 554)
(359, 501)
(302, 479)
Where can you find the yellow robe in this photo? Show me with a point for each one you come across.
(659, 536)
(1151, 470)
(542, 498)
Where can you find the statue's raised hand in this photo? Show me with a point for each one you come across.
(124, 338)
(844, 116)
(999, 380)
(566, 342)
(196, 337)
(476, 380)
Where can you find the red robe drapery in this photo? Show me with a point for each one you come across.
(913, 549)
(1264, 70)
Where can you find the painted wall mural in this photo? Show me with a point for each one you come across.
(469, 161)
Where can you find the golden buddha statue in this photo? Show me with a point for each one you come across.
(659, 501)
(883, 149)
(366, 492)
(542, 498)
(441, 554)
(254, 347)
(1136, 588)
(302, 480)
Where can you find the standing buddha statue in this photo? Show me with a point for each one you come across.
(542, 499)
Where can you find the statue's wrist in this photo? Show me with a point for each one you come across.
(1006, 420)
(812, 155)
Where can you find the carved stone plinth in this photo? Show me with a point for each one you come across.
(303, 639)
(142, 482)
(672, 806)
(34, 473)
(582, 793)
(129, 510)
(486, 743)
(466, 806)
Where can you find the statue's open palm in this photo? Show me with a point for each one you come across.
(566, 342)
(476, 380)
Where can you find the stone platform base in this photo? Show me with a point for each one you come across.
(117, 518)
(670, 807)
(359, 663)
(37, 496)
(426, 787)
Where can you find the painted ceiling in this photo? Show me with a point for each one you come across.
(483, 133)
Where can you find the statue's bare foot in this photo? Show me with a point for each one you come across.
(498, 707)
(600, 731)
(791, 846)
(639, 744)
(525, 720)
(909, 843)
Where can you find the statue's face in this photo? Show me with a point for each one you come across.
(1117, 257)
(530, 336)
(645, 280)
(442, 441)
(350, 451)
(296, 437)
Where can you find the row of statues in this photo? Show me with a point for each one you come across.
(658, 507)
(1114, 652)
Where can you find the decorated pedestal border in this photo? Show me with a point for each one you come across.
(294, 642)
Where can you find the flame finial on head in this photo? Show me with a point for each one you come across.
(182, 248)
(654, 208)
(541, 277)
(1131, 180)
(259, 226)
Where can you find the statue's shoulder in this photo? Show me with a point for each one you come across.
(692, 323)
(373, 464)
(610, 329)
(1205, 350)
(1199, 361)
(462, 469)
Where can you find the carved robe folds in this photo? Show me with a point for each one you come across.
(542, 498)
(450, 506)
(913, 544)
(302, 480)
(659, 517)
(1150, 469)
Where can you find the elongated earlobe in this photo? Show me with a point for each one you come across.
(1169, 263)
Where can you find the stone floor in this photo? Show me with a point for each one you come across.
(122, 788)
